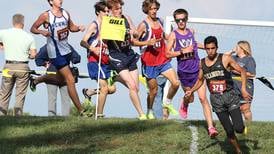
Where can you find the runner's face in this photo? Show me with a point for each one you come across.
(105, 12)
(181, 20)
(152, 12)
(211, 50)
(239, 49)
(57, 3)
(116, 10)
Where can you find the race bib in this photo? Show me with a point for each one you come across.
(217, 86)
(187, 55)
(62, 34)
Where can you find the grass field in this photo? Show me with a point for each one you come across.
(82, 135)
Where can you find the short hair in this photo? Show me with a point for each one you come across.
(211, 39)
(100, 6)
(111, 3)
(245, 46)
(49, 2)
(18, 19)
(148, 3)
(180, 11)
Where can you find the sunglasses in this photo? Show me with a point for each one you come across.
(181, 20)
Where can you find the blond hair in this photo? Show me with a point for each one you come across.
(245, 46)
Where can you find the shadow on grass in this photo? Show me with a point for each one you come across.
(225, 144)
(228, 148)
(81, 137)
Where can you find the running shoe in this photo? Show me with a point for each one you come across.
(100, 116)
(86, 113)
(84, 91)
(150, 116)
(111, 79)
(170, 109)
(212, 132)
(183, 110)
(32, 85)
(142, 117)
(245, 131)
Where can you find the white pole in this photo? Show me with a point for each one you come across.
(98, 77)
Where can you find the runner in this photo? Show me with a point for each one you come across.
(244, 58)
(186, 50)
(154, 60)
(58, 22)
(92, 43)
(122, 57)
(224, 99)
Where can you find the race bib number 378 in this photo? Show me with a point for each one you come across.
(218, 86)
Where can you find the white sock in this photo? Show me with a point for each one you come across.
(149, 111)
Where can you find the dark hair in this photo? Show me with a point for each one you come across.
(49, 2)
(180, 11)
(148, 3)
(111, 3)
(100, 6)
(211, 39)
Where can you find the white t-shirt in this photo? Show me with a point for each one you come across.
(17, 44)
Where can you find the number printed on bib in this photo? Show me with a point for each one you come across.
(217, 86)
(62, 34)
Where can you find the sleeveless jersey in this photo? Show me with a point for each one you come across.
(188, 62)
(217, 77)
(94, 42)
(155, 55)
(57, 43)
(121, 46)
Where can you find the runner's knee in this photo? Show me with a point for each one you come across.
(104, 89)
(176, 84)
(111, 89)
(153, 91)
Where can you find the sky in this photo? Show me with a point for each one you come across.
(119, 104)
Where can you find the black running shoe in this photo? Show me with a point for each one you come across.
(84, 91)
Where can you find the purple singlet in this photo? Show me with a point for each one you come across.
(187, 62)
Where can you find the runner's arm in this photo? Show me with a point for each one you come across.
(90, 32)
(140, 32)
(199, 45)
(170, 45)
(42, 19)
(235, 66)
(200, 80)
(73, 27)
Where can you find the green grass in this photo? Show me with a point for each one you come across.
(82, 135)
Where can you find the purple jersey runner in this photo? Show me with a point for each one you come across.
(188, 63)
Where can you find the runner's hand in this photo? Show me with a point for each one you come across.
(81, 28)
(153, 41)
(187, 49)
(45, 33)
(95, 50)
(188, 93)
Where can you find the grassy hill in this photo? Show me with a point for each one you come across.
(82, 135)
